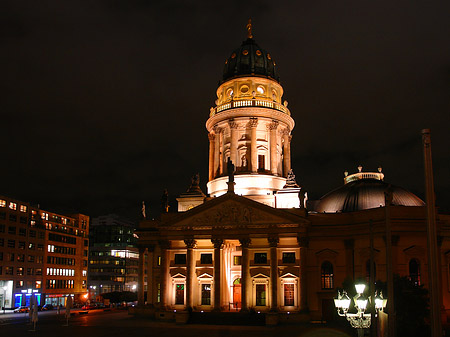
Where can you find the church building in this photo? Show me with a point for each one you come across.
(255, 241)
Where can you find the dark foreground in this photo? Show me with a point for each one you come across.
(99, 323)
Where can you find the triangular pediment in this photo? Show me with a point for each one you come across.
(288, 275)
(233, 211)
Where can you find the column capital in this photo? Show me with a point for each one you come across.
(211, 136)
(245, 242)
(253, 123)
(286, 132)
(217, 130)
(273, 240)
(190, 243)
(303, 241)
(273, 125)
(233, 124)
(217, 242)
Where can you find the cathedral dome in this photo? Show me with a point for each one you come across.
(249, 60)
(364, 190)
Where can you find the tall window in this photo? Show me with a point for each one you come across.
(260, 258)
(288, 295)
(206, 259)
(179, 294)
(206, 294)
(289, 257)
(260, 294)
(327, 275)
(261, 162)
(414, 271)
(180, 258)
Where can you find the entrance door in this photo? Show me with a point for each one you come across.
(328, 310)
(237, 294)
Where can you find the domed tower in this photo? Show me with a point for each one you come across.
(250, 126)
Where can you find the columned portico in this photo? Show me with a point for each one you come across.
(218, 244)
(151, 275)
(273, 243)
(165, 245)
(273, 147)
(303, 242)
(217, 167)
(212, 161)
(245, 276)
(233, 146)
(190, 272)
(253, 145)
(286, 151)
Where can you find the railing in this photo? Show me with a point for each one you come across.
(250, 103)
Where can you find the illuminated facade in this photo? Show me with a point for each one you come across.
(255, 242)
(113, 255)
(42, 253)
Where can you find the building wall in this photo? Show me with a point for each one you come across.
(33, 262)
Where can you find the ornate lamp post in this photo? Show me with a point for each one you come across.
(359, 320)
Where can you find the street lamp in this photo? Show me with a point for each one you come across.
(359, 320)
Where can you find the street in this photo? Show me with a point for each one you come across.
(99, 323)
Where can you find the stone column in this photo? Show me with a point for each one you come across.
(190, 271)
(273, 147)
(217, 132)
(303, 243)
(245, 275)
(253, 145)
(165, 245)
(151, 282)
(234, 139)
(273, 243)
(221, 152)
(218, 244)
(212, 138)
(141, 276)
(287, 152)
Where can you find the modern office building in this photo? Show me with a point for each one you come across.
(41, 252)
(113, 258)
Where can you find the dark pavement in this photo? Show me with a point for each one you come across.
(99, 323)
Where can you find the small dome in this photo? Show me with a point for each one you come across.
(364, 194)
(249, 60)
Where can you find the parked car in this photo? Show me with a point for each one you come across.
(22, 308)
(47, 307)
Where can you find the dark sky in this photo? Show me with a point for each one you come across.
(104, 103)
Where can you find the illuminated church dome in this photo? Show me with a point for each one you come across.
(364, 190)
(249, 59)
(250, 126)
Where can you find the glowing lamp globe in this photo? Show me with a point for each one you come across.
(360, 288)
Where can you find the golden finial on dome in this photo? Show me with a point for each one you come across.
(249, 29)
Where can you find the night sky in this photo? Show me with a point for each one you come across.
(104, 103)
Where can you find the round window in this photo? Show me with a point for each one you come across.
(230, 92)
(244, 89)
(260, 90)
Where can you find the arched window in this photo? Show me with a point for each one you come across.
(327, 275)
(368, 271)
(414, 271)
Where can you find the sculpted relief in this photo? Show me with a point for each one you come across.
(228, 215)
